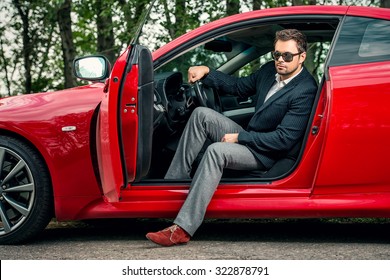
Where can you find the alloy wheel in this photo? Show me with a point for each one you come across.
(17, 191)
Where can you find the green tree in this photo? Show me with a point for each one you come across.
(131, 13)
(23, 10)
(105, 30)
(256, 5)
(5, 62)
(232, 7)
(37, 42)
(385, 3)
(67, 43)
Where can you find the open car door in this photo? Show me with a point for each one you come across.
(125, 122)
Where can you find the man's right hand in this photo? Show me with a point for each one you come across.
(196, 73)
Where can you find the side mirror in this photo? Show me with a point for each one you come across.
(92, 68)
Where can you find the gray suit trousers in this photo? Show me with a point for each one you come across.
(206, 123)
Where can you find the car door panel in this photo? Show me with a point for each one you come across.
(125, 117)
(238, 109)
(107, 141)
(136, 114)
(356, 150)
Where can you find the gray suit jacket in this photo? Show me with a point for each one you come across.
(278, 124)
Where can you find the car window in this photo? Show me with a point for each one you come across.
(243, 51)
(362, 40)
(228, 52)
(214, 54)
(376, 39)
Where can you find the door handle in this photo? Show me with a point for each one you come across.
(248, 101)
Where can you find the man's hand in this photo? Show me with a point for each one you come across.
(196, 73)
(230, 138)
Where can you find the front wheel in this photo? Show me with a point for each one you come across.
(26, 200)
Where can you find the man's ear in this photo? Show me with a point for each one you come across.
(302, 57)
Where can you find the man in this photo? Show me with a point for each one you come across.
(285, 91)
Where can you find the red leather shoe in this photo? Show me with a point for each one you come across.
(173, 235)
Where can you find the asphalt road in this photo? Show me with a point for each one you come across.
(216, 239)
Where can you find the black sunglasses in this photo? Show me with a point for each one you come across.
(287, 56)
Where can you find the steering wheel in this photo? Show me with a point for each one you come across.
(207, 97)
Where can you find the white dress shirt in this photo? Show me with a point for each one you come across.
(279, 84)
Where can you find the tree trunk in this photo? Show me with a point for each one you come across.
(301, 2)
(178, 27)
(297, 2)
(256, 5)
(232, 7)
(180, 15)
(105, 31)
(131, 18)
(385, 4)
(68, 50)
(27, 47)
(5, 65)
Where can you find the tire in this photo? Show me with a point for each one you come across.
(26, 199)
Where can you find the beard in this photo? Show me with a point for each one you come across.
(285, 71)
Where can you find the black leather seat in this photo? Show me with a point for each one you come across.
(281, 167)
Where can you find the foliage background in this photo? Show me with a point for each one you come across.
(40, 38)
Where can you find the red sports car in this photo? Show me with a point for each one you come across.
(101, 151)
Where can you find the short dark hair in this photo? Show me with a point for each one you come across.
(292, 34)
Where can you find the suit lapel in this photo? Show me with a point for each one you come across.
(279, 94)
(266, 87)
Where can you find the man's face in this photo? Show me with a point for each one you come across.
(288, 69)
